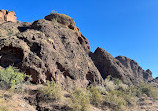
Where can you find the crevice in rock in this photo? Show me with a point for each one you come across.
(22, 28)
(71, 27)
(24, 39)
(64, 71)
(80, 40)
(49, 76)
(90, 77)
(10, 56)
(36, 48)
(33, 73)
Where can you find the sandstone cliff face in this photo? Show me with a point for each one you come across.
(120, 67)
(48, 49)
(6, 15)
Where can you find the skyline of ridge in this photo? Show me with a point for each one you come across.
(127, 28)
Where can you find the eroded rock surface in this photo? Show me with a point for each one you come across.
(55, 48)
(48, 49)
(135, 70)
(6, 15)
(120, 67)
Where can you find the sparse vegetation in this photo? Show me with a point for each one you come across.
(11, 77)
(118, 94)
(95, 95)
(52, 89)
(53, 11)
(4, 105)
(80, 100)
(149, 90)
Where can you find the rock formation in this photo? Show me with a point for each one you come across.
(48, 49)
(120, 67)
(6, 15)
(55, 48)
(68, 22)
(135, 70)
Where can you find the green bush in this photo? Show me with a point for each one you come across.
(109, 85)
(143, 88)
(11, 77)
(95, 95)
(149, 90)
(52, 88)
(119, 95)
(80, 100)
(118, 99)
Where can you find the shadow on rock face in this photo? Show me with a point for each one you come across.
(10, 56)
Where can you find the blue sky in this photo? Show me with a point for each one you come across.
(121, 27)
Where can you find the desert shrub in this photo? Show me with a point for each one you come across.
(149, 90)
(143, 88)
(134, 91)
(110, 86)
(80, 100)
(119, 84)
(52, 89)
(119, 95)
(53, 11)
(117, 81)
(102, 89)
(118, 99)
(11, 77)
(95, 95)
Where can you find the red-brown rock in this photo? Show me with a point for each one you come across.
(6, 15)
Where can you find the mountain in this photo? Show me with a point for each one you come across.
(53, 48)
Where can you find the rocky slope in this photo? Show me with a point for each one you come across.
(120, 67)
(49, 48)
(55, 48)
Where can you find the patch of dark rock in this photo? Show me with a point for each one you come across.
(80, 40)
(23, 28)
(10, 56)
(49, 76)
(65, 72)
(90, 77)
(36, 48)
(71, 27)
(33, 73)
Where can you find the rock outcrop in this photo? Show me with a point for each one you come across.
(68, 22)
(6, 16)
(134, 69)
(48, 48)
(120, 67)
(55, 48)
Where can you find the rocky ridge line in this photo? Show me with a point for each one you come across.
(55, 48)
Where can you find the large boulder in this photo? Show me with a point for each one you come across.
(6, 15)
(48, 49)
